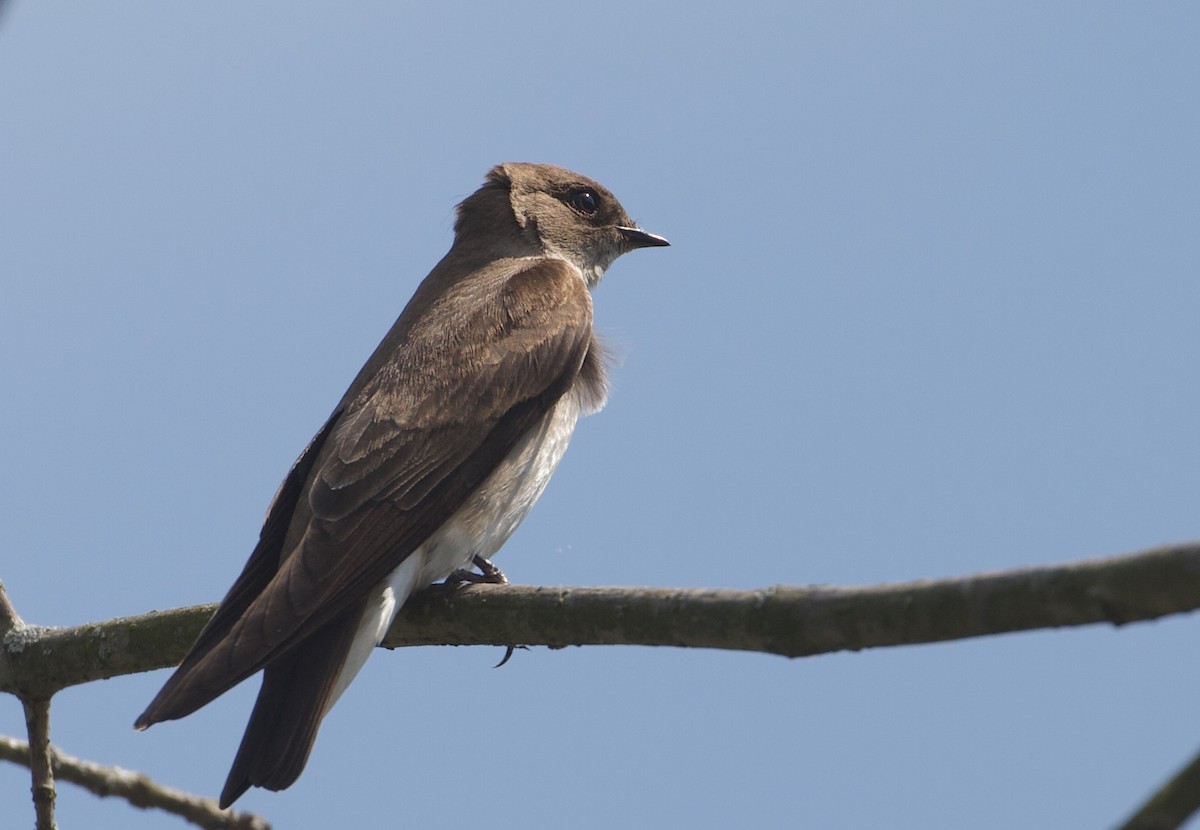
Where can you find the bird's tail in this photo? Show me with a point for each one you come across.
(300, 688)
(295, 695)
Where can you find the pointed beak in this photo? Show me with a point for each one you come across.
(638, 238)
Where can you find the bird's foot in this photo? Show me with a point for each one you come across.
(488, 574)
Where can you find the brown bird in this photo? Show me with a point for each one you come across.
(434, 455)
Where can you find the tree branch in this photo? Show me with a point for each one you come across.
(8, 615)
(805, 621)
(37, 723)
(36, 662)
(790, 621)
(138, 789)
(10, 622)
(1172, 805)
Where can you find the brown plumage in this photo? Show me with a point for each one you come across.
(440, 445)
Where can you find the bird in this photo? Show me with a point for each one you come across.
(432, 458)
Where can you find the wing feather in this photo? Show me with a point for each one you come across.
(453, 388)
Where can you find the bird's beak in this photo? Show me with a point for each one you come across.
(638, 238)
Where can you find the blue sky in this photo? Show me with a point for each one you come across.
(930, 309)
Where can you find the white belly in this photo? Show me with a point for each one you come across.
(479, 528)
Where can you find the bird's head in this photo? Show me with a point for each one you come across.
(555, 212)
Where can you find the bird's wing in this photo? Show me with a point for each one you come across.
(483, 363)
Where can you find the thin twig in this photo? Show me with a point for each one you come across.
(138, 789)
(37, 723)
(11, 626)
(8, 615)
(1175, 802)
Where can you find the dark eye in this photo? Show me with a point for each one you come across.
(585, 202)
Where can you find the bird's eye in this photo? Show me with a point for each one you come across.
(585, 202)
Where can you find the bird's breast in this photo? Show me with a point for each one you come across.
(479, 527)
(486, 519)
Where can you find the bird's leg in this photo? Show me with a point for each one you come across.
(488, 573)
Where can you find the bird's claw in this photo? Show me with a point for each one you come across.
(488, 574)
(508, 652)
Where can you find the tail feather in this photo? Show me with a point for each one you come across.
(190, 687)
(294, 697)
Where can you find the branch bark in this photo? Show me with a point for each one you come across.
(1172, 805)
(36, 662)
(138, 789)
(37, 724)
(790, 621)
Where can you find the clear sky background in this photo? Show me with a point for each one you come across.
(931, 309)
